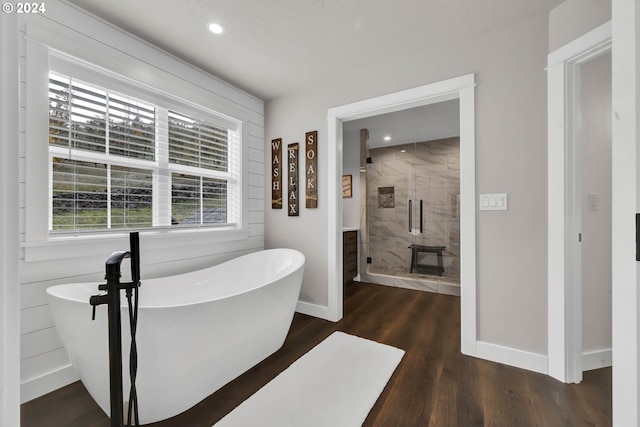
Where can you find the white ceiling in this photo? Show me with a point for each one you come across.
(427, 123)
(272, 48)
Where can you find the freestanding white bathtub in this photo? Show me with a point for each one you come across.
(196, 331)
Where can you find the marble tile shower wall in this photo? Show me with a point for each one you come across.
(429, 171)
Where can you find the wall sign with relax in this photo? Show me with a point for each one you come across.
(292, 151)
(311, 167)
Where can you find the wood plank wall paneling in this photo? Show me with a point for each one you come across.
(35, 319)
(52, 360)
(433, 385)
(44, 364)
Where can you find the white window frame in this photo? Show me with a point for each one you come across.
(161, 165)
(39, 244)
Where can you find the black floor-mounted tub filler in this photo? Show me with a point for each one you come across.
(112, 299)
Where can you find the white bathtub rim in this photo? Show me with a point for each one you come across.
(57, 291)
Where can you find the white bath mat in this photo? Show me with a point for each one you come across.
(335, 385)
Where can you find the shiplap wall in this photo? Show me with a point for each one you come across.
(44, 364)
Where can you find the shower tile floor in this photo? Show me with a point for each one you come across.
(448, 283)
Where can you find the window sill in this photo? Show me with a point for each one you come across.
(82, 245)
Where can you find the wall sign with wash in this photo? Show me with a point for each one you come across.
(276, 173)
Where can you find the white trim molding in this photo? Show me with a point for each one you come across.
(9, 236)
(564, 217)
(512, 357)
(462, 88)
(595, 39)
(625, 198)
(51, 381)
(315, 310)
(596, 359)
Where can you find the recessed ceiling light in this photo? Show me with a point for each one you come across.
(387, 138)
(215, 28)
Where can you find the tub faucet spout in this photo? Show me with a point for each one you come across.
(113, 263)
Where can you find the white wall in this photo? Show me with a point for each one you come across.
(574, 18)
(595, 142)
(351, 166)
(44, 364)
(511, 157)
(308, 231)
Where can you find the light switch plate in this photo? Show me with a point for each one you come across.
(593, 201)
(493, 202)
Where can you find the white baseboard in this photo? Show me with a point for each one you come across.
(596, 359)
(47, 383)
(512, 357)
(314, 310)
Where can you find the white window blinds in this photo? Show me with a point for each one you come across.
(196, 143)
(108, 170)
(79, 115)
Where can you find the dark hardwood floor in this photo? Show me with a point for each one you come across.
(434, 385)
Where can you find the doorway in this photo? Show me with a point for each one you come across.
(408, 211)
(571, 203)
(461, 88)
(595, 197)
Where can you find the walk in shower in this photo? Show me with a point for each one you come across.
(410, 200)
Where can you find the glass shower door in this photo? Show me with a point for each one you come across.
(429, 209)
(415, 206)
(395, 213)
(410, 212)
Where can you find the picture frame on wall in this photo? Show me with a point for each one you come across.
(346, 186)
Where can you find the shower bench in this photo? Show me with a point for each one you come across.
(427, 268)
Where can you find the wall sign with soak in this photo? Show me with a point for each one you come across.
(311, 147)
(292, 154)
(276, 173)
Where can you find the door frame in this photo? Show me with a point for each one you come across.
(462, 88)
(9, 226)
(564, 215)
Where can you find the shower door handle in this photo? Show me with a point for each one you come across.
(420, 216)
(410, 220)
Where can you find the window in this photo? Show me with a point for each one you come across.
(118, 161)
